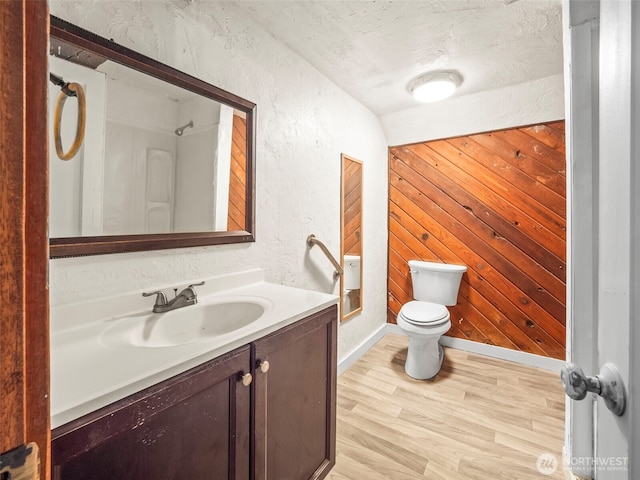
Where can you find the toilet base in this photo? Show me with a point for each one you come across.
(424, 358)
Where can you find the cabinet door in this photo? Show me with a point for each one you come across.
(295, 400)
(195, 426)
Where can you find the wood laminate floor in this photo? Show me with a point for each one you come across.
(479, 418)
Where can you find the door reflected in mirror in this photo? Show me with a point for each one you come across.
(351, 236)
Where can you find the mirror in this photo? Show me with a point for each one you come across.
(351, 236)
(166, 160)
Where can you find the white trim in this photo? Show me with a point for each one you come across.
(566, 468)
(363, 348)
(581, 60)
(523, 358)
(502, 353)
(393, 328)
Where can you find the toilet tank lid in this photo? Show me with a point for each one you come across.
(438, 267)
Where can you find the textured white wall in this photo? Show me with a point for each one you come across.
(528, 103)
(304, 123)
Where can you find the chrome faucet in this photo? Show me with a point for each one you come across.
(185, 298)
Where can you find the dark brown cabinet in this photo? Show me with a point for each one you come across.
(208, 424)
(195, 426)
(294, 412)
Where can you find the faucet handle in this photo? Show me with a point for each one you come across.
(192, 293)
(187, 292)
(161, 298)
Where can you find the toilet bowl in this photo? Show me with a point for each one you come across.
(426, 318)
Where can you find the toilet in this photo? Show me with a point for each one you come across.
(425, 319)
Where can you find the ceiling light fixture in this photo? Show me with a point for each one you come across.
(434, 86)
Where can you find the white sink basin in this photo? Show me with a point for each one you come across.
(185, 325)
(103, 351)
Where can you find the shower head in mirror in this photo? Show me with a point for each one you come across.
(180, 130)
(161, 97)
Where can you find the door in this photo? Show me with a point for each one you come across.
(602, 90)
(24, 340)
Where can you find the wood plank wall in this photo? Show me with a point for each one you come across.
(237, 186)
(352, 207)
(495, 202)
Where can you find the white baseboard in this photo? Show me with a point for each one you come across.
(502, 353)
(363, 348)
(460, 344)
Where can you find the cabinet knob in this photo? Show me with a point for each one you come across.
(246, 379)
(263, 365)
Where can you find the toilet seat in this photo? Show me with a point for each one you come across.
(424, 314)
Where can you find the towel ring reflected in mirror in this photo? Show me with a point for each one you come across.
(189, 177)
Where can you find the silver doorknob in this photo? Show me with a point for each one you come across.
(608, 384)
(576, 384)
(264, 366)
(246, 379)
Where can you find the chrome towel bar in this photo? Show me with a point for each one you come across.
(312, 240)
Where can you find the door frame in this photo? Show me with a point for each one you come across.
(24, 309)
(24, 297)
(581, 64)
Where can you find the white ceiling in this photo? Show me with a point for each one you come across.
(372, 49)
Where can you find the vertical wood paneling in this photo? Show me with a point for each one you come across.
(24, 313)
(237, 185)
(12, 234)
(495, 202)
(36, 248)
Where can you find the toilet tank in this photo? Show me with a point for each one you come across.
(351, 272)
(436, 282)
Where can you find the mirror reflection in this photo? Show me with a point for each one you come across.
(156, 158)
(351, 243)
(163, 159)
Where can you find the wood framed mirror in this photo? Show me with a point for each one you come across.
(351, 237)
(167, 160)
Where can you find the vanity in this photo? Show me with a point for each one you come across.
(252, 402)
(240, 384)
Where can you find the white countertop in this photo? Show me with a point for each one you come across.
(88, 373)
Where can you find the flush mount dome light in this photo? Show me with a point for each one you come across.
(434, 86)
